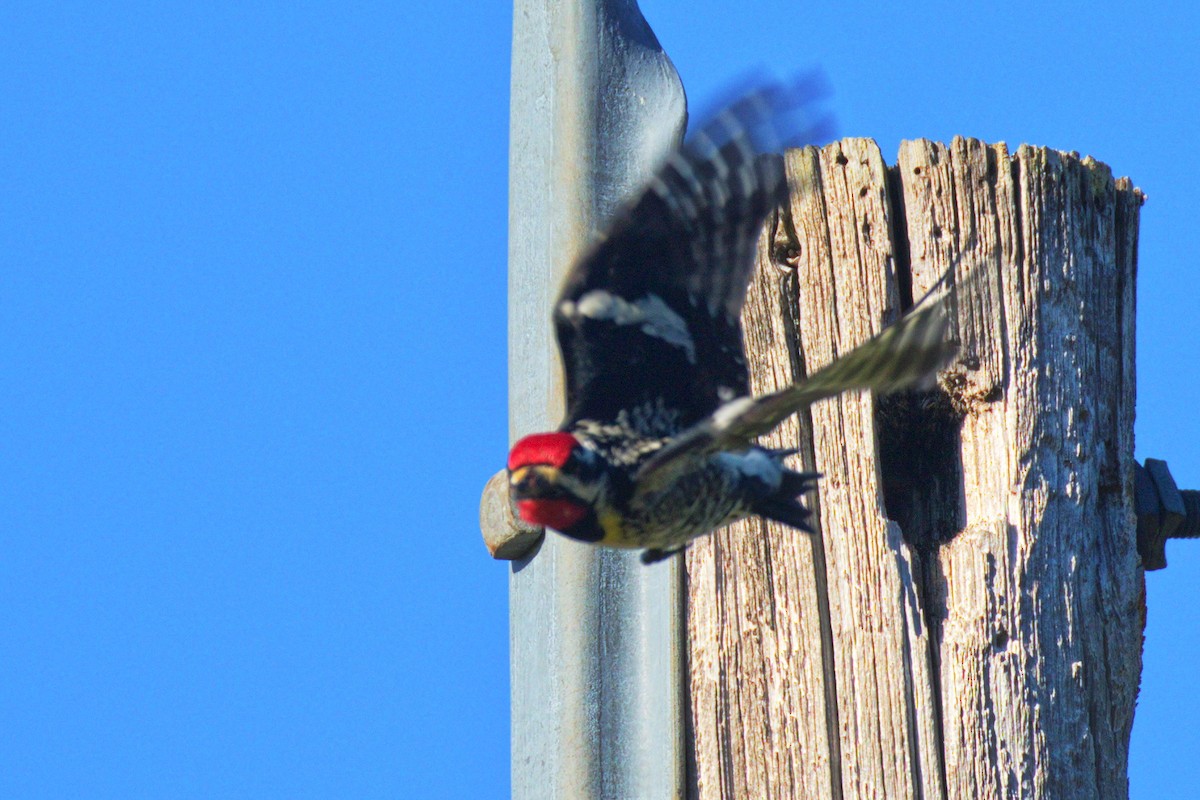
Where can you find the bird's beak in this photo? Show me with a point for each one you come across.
(532, 482)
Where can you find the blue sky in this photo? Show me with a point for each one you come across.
(252, 276)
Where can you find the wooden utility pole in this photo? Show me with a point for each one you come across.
(968, 622)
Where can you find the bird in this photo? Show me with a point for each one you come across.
(658, 443)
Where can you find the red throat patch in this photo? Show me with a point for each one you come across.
(562, 515)
(542, 448)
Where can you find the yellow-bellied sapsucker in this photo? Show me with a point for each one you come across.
(658, 442)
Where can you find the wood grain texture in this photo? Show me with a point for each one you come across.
(757, 675)
(968, 622)
(1041, 600)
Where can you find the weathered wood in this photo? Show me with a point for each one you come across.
(968, 622)
(756, 664)
(1042, 599)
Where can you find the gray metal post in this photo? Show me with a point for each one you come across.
(597, 692)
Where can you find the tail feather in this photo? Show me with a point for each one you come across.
(784, 504)
(789, 512)
(793, 484)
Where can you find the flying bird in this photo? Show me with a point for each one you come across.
(658, 444)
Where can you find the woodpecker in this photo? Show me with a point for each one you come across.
(658, 444)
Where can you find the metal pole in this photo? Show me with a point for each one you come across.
(597, 690)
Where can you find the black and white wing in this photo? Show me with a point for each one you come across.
(648, 319)
(903, 355)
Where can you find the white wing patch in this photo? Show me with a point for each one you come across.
(729, 413)
(650, 313)
(756, 464)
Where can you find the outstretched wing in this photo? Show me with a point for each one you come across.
(648, 319)
(905, 354)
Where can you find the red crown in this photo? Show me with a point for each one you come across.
(542, 448)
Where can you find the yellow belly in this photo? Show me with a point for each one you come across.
(614, 532)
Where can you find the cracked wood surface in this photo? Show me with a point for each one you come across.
(968, 622)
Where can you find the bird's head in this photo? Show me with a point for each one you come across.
(555, 482)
